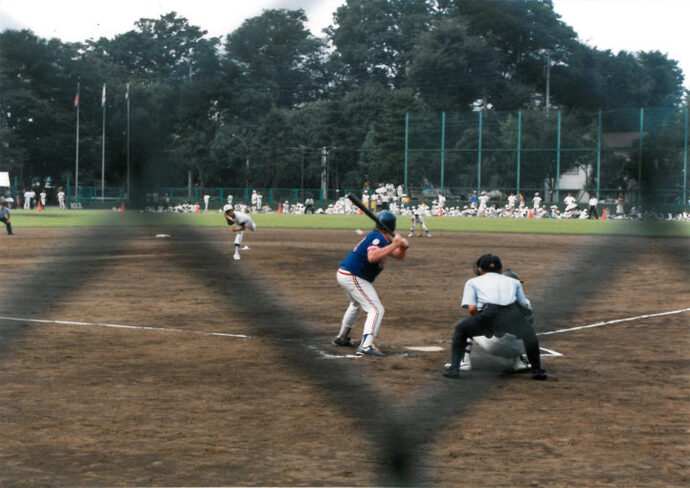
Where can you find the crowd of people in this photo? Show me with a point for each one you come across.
(393, 198)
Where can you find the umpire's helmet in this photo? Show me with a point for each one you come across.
(388, 219)
(489, 263)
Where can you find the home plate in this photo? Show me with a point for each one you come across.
(425, 348)
(162, 236)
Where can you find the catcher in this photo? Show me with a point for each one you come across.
(492, 301)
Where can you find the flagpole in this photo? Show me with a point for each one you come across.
(76, 171)
(127, 96)
(103, 148)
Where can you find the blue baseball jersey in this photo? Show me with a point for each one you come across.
(357, 263)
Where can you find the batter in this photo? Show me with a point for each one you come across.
(356, 275)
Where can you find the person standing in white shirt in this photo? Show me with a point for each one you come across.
(61, 199)
(592, 211)
(536, 201)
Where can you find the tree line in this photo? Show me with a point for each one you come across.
(272, 94)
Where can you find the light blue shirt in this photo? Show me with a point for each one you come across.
(4, 212)
(493, 288)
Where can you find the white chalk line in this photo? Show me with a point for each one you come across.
(321, 353)
(131, 327)
(617, 321)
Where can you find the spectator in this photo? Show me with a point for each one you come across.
(592, 210)
(620, 211)
(536, 201)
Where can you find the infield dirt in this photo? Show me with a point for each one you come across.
(89, 405)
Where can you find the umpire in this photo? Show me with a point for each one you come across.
(494, 302)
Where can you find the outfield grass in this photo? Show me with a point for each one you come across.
(86, 218)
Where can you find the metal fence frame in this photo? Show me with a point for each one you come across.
(442, 150)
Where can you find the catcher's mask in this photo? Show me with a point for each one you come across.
(489, 263)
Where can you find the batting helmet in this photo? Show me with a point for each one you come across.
(388, 219)
(489, 263)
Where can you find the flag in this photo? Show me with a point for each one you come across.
(127, 93)
(103, 96)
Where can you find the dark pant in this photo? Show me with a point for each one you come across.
(8, 224)
(593, 212)
(496, 320)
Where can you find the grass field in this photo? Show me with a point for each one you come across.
(87, 218)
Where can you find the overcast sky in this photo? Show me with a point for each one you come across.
(631, 25)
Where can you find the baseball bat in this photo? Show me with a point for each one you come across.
(368, 212)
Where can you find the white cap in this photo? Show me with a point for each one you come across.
(227, 207)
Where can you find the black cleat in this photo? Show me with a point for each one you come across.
(539, 375)
(348, 342)
(450, 372)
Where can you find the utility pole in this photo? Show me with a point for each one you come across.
(302, 148)
(548, 81)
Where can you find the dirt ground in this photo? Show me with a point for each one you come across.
(128, 359)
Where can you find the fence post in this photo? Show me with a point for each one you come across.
(685, 161)
(479, 154)
(443, 145)
(558, 158)
(407, 146)
(519, 142)
(598, 149)
(639, 159)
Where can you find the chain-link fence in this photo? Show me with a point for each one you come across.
(640, 155)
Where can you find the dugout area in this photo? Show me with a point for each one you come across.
(132, 360)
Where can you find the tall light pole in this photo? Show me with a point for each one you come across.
(246, 170)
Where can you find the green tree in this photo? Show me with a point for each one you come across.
(272, 59)
(375, 39)
(163, 49)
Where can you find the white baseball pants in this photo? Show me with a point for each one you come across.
(362, 296)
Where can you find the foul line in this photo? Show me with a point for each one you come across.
(617, 321)
(323, 354)
(118, 326)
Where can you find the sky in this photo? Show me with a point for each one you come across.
(630, 25)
